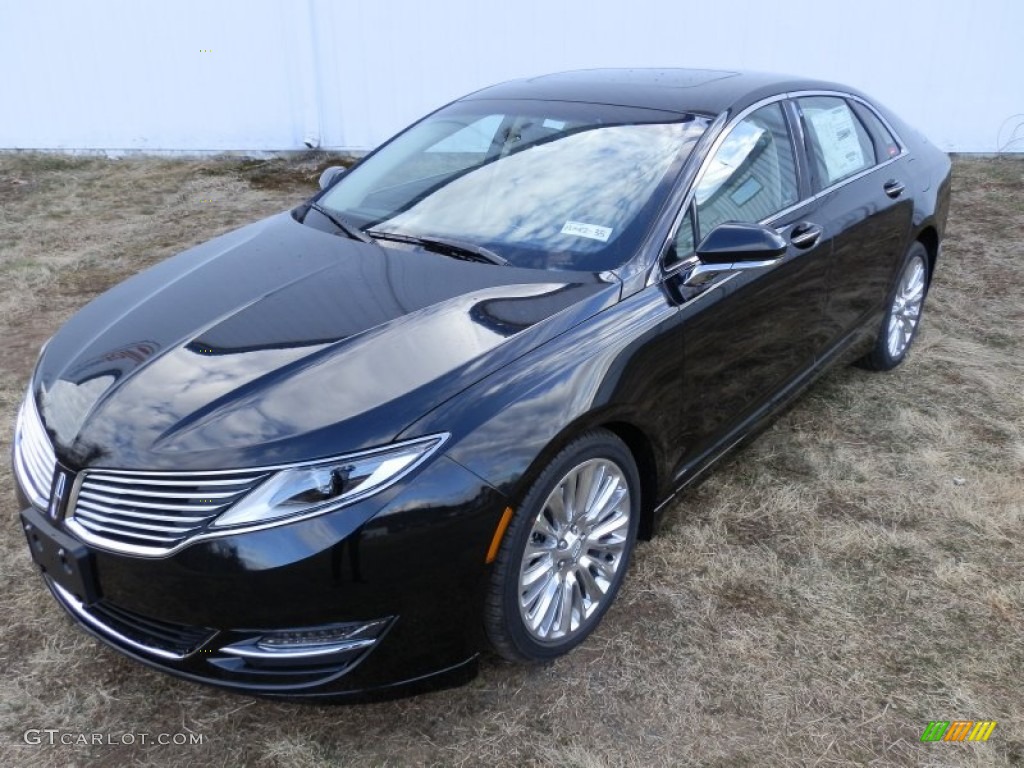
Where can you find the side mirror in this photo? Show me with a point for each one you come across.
(736, 246)
(736, 242)
(330, 175)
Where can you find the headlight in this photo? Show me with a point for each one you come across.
(323, 486)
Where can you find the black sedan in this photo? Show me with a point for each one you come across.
(341, 451)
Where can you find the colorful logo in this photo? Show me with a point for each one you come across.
(958, 730)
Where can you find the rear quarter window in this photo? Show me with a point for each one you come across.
(886, 146)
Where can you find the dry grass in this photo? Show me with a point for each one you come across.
(849, 576)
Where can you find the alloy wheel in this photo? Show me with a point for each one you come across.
(576, 546)
(906, 307)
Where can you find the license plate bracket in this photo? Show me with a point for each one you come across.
(62, 558)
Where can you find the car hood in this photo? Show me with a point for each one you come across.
(279, 342)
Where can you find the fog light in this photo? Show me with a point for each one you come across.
(321, 637)
(327, 645)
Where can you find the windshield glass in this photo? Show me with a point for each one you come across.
(548, 185)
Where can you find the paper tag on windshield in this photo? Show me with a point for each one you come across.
(592, 231)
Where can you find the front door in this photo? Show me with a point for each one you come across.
(750, 333)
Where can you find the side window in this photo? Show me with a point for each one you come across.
(886, 145)
(752, 174)
(838, 142)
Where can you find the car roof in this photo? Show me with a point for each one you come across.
(704, 91)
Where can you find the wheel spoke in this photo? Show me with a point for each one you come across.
(529, 593)
(596, 480)
(546, 546)
(610, 526)
(594, 591)
(568, 493)
(556, 507)
(607, 551)
(581, 492)
(611, 504)
(605, 499)
(543, 565)
(565, 605)
(601, 571)
(543, 613)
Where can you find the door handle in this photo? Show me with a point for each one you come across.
(894, 188)
(805, 234)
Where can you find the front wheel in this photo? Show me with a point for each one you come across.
(566, 551)
(903, 317)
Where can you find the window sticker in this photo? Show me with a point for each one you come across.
(556, 124)
(840, 147)
(592, 231)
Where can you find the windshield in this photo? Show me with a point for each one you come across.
(547, 185)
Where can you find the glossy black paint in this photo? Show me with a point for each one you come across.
(732, 242)
(284, 341)
(232, 340)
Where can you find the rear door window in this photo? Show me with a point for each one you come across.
(839, 144)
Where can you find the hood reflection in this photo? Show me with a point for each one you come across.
(276, 332)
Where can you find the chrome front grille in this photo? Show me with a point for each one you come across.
(151, 513)
(34, 461)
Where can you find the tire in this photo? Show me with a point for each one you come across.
(903, 315)
(544, 602)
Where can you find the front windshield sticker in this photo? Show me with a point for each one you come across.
(592, 231)
(840, 147)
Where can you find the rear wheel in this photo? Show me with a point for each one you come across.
(903, 317)
(566, 551)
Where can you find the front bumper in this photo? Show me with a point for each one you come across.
(405, 569)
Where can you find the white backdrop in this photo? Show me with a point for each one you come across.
(128, 75)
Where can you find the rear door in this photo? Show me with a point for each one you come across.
(864, 206)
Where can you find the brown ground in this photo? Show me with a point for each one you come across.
(851, 575)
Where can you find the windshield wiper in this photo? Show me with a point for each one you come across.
(349, 229)
(457, 249)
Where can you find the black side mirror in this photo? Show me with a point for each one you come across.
(735, 246)
(734, 242)
(330, 175)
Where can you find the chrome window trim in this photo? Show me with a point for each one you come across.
(140, 550)
(660, 271)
